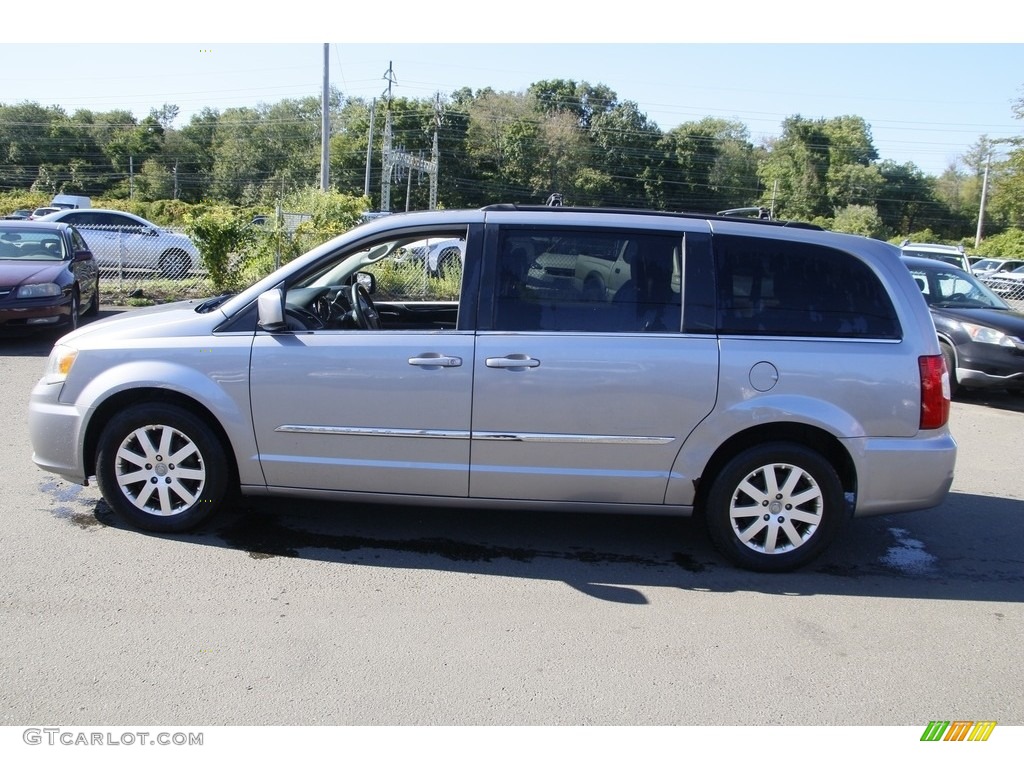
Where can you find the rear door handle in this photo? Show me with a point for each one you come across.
(512, 361)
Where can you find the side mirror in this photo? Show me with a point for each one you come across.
(368, 281)
(82, 255)
(270, 310)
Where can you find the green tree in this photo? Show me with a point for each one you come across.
(624, 158)
(708, 165)
(27, 143)
(501, 138)
(585, 102)
(154, 181)
(817, 166)
(859, 220)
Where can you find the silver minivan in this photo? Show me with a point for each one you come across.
(774, 379)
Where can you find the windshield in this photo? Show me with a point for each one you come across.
(30, 246)
(951, 290)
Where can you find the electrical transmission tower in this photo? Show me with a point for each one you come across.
(395, 159)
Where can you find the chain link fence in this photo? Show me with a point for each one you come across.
(159, 264)
(1007, 288)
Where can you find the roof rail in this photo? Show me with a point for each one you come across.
(648, 212)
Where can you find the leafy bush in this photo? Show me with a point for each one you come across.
(222, 235)
(859, 220)
(1008, 244)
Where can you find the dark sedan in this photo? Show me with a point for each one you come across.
(48, 276)
(981, 337)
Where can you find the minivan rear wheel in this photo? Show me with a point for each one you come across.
(161, 468)
(775, 507)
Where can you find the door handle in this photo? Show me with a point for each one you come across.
(436, 360)
(512, 361)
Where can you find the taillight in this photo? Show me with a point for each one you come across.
(934, 391)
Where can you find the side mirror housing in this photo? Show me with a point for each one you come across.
(368, 281)
(270, 310)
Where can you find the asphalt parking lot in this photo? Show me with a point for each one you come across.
(290, 612)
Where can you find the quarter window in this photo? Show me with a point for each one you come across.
(780, 288)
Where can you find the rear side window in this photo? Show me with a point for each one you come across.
(588, 280)
(779, 288)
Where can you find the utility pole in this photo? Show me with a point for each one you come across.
(387, 163)
(325, 127)
(369, 149)
(981, 210)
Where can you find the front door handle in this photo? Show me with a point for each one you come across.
(512, 361)
(436, 360)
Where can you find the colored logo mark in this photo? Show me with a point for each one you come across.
(958, 730)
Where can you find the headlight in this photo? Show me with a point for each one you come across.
(985, 335)
(39, 289)
(58, 366)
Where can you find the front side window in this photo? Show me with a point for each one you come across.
(407, 282)
(779, 288)
(588, 281)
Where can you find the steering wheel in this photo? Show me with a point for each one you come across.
(363, 311)
(298, 319)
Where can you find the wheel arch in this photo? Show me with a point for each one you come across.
(131, 397)
(806, 435)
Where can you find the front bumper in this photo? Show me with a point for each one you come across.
(32, 315)
(56, 431)
(987, 366)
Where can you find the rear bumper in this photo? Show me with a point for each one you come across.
(902, 475)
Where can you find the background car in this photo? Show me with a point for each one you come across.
(48, 276)
(46, 210)
(981, 337)
(1008, 285)
(950, 254)
(20, 215)
(442, 257)
(988, 267)
(128, 242)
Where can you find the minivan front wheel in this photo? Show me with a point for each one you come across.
(160, 468)
(775, 507)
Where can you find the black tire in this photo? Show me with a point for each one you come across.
(175, 265)
(75, 311)
(775, 507)
(157, 492)
(950, 357)
(94, 305)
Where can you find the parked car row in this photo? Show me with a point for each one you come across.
(988, 267)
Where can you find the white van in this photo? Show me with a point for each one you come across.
(70, 201)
